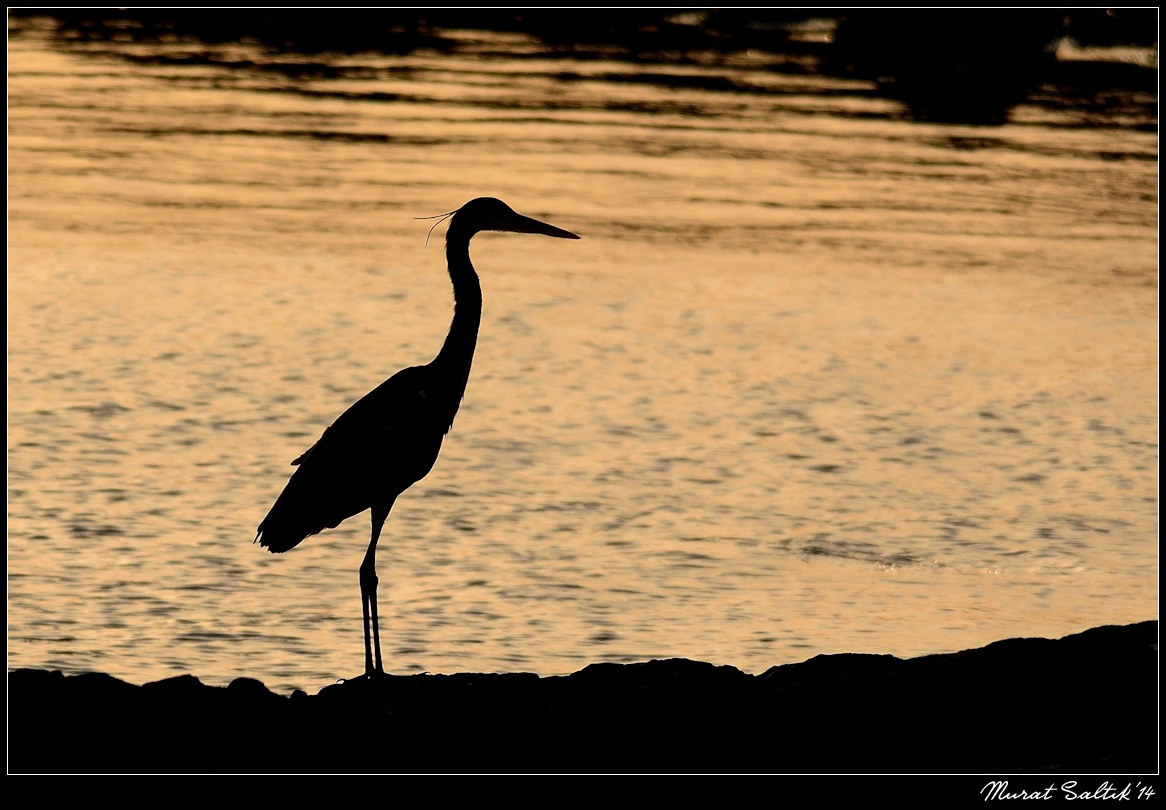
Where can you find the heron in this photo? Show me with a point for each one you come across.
(389, 439)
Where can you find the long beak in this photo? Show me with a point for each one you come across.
(521, 224)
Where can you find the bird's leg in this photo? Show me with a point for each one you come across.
(368, 670)
(368, 597)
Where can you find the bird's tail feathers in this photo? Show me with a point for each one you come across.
(278, 538)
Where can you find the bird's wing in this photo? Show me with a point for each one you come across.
(375, 450)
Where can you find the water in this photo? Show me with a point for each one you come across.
(815, 380)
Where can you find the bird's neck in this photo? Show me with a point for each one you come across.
(457, 353)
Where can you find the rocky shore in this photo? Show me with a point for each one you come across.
(1086, 703)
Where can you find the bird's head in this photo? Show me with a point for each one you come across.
(490, 214)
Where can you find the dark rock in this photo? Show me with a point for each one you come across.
(1085, 703)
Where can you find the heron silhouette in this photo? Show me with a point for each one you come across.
(389, 439)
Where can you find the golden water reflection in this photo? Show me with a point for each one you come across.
(812, 382)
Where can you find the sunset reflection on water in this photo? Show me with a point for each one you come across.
(815, 380)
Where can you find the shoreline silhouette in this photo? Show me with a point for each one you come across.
(1081, 704)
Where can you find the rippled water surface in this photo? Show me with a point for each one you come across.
(815, 380)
